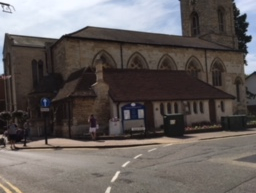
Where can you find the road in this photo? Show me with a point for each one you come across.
(211, 166)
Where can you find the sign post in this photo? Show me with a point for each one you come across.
(45, 104)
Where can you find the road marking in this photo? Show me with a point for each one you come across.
(5, 189)
(108, 190)
(168, 145)
(136, 157)
(152, 150)
(10, 185)
(115, 176)
(125, 164)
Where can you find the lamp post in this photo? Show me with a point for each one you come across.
(7, 7)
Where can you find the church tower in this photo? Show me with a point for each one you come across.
(212, 20)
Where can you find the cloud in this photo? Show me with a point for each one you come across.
(53, 19)
(246, 6)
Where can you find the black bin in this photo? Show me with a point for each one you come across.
(174, 125)
(234, 122)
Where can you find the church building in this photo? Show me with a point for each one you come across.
(137, 77)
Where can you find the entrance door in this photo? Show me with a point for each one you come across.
(149, 116)
(212, 111)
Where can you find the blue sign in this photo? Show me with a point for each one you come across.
(45, 102)
(133, 111)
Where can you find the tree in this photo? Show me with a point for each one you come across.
(241, 26)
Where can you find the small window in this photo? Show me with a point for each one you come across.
(162, 109)
(189, 108)
(176, 108)
(169, 108)
(238, 86)
(201, 107)
(195, 107)
(222, 107)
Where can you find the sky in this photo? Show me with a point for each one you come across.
(54, 18)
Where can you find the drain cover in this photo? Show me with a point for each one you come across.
(250, 159)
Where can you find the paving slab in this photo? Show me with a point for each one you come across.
(117, 142)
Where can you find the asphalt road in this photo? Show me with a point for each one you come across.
(213, 166)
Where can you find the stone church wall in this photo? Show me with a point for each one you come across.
(75, 54)
(21, 61)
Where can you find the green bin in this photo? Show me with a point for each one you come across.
(234, 122)
(174, 125)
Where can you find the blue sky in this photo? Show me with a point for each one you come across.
(54, 18)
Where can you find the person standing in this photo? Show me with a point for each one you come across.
(26, 127)
(93, 125)
(12, 133)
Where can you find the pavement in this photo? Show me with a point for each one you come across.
(119, 142)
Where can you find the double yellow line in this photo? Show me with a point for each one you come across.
(8, 187)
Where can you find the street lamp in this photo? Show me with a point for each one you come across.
(7, 7)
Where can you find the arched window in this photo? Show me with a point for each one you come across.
(195, 107)
(195, 31)
(169, 108)
(106, 60)
(201, 107)
(162, 109)
(137, 62)
(37, 71)
(176, 108)
(222, 107)
(221, 20)
(217, 70)
(189, 108)
(192, 70)
(167, 63)
(238, 84)
(40, 69)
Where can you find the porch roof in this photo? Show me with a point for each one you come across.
(78, 84)
(158, 85)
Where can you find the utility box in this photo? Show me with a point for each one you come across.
(174, 125)
(234, 122)
(115, 127)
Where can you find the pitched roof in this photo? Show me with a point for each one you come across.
(136, 37)
(30, 41)
(78, 84)
(158, 85)
(249, 76)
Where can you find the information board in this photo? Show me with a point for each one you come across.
(133, 111)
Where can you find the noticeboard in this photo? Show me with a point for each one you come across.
(133, 111)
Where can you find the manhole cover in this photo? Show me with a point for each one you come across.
(251, 159)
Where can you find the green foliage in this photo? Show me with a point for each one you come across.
(20, 115)
(241, 26)
(5, 116)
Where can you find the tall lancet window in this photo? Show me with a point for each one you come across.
(238, 84)
(217, 71)
(221, 20)
(195, 24)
